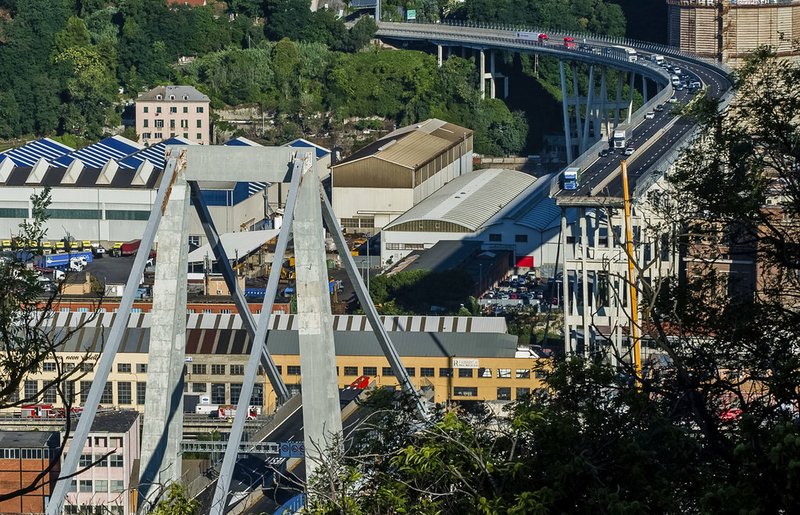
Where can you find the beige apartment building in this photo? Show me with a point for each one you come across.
(173, 111)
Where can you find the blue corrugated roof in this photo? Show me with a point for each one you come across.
(241, 142)
(303, 143)
(98, 154)
(154, 154)
(30, 153)
(542, 215)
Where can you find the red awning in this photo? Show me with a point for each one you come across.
(525, 262)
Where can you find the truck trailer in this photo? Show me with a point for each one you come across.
(622, 137)
(63, 261)
(570, 178)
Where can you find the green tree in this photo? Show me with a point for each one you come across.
(287, 19)
(176, 502)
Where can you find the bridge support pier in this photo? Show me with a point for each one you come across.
(482, 73)
(439, 56)
(632, 77)
(565, 108)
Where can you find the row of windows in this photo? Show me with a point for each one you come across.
(405, 246)
(100, 485)
(12, 212)
(159, 124)
(87, 509)
(25, 454)
(367, 222)
(503, 392)
(160, 135)
(77, 214)
(172, 109)
(518, 238)
(113, 460)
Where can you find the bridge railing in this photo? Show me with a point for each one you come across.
(578, 36)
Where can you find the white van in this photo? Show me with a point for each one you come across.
(675, 80)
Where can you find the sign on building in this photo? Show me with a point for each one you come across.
(465, 363)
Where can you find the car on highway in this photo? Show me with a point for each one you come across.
(695, 84)
(680, 86)
(604, 152)
(673, 100)
(629, 151)
(659, 108)
(649, 115)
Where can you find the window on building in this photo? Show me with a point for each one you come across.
(31, 389)
(522, 393)
(73, 487)
(293, 370)
(236, 392)
(199, 387)
(257, 399)
(186, 135)
(159, 124)
(217, 370)
(387, 371)
(445, 372)
(411, 371)
(217, 393)
(504, 373)
(123, 392)
(484, 372)
(184, 124)
(237, 370)
(158, 135)
(199, 136)
(145, 109)
(101, 486)
(198, 369)
(465, 372)
(124, 368)
(426, 372)
(521, 238)
(540, 374)
(145, 123)
(523, 373)
(173, 109)
(108, 394)
(495, 237)
(140, 392)
(370, 371)
(199, 124)
(172, 124)
(85, 460)
(185, 109)
(158, 109)
(351, 371)
(87, 367)
(146, 135)
(199, 109)
(84, 485)
(465, 391)
(50, 395)
(503, 393)
(279, 368)
(117, 485)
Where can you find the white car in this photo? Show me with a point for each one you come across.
(629, 151)
(649, 115)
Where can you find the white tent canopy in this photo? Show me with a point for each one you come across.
(235, 244)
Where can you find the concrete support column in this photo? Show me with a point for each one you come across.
(603, 98)
(577, 103)
(322, 420)
(630, 95)
(585, 304)
(482, 73)
(589, 108)
(565, 304)
(162, 431)
(617, 114)
(644, 88)
(492, 80)
(439, 56)
(505, 86)
(565, 108)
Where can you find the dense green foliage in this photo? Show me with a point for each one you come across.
(713, 423)
(419, 291)
(63, 73)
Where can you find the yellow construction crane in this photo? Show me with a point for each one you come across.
(637, 350)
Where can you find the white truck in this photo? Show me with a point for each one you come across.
(622, 137)
(657, 59)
